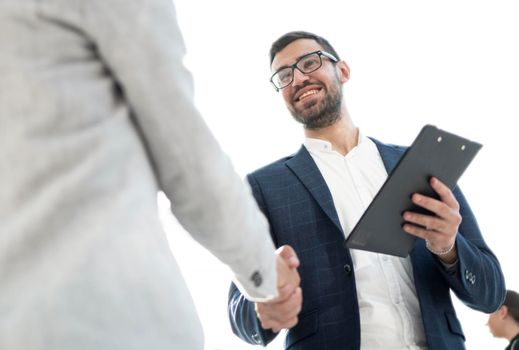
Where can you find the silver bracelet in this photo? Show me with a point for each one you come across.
(444, 251)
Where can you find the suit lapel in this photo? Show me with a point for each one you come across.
(390, 154)
(304, 167)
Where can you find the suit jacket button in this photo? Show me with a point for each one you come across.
(256, 279)
(347, 269)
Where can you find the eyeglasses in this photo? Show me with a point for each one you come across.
(305, 64)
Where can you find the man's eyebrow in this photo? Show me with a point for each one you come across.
(297, 59)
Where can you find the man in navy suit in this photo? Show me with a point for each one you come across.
(355, 299)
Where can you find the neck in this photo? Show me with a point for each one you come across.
(511, 331)
(343, 134)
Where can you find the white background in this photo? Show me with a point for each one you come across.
(454, 64)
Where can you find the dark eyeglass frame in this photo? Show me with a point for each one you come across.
(294, 66)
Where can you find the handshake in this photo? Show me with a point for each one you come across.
(282, 311)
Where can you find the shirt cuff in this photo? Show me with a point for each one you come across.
(260, 284)
(450, 268)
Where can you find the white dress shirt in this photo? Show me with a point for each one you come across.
(390, 316)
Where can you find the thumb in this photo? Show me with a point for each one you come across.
(289, 254)
(286, 274)
(285, 292)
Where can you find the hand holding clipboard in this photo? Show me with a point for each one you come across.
(434, 153)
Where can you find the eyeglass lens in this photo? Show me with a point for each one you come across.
(306, 64)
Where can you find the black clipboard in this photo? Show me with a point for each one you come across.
(434, 152)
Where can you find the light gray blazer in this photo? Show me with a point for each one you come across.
(97, 116)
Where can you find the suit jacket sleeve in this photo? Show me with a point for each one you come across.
(242, 315)
(478, 280)
(143, 50)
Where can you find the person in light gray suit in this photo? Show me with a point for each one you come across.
(96, 117)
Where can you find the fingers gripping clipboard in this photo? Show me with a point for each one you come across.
(434, 152)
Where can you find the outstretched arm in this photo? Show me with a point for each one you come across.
(142, 49)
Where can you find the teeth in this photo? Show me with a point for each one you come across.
(308, 93)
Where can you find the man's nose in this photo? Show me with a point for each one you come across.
(299, 77)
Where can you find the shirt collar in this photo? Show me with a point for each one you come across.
(318, 145)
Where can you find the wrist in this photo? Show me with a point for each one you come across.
(447, 254)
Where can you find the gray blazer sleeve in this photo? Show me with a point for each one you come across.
(143, 49)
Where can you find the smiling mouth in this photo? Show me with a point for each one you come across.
(307, 94)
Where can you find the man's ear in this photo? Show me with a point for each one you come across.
(503, 312)
(344, 71)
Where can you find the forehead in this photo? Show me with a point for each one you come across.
(293, 51)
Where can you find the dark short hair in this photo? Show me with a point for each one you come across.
(512, 303)
(290, 37)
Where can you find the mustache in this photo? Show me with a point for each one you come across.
(303, 85)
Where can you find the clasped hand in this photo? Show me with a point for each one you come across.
(282, 312)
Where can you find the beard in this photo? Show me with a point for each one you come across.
(320, 114)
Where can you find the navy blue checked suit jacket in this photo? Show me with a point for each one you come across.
(298, 205)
